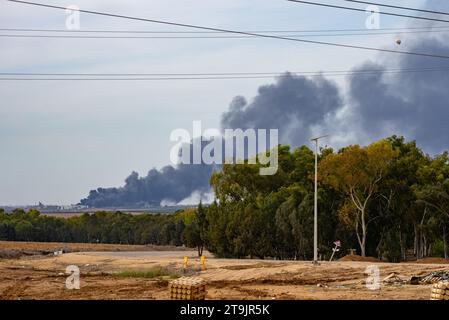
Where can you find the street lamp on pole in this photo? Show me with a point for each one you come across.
(315, 211)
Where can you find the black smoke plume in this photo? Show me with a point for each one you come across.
(293, 105)
(414, 104)
(171, 185)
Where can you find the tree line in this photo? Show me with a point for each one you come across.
(388, 200)
(100, 227)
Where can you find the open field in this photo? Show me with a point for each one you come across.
(123, 272)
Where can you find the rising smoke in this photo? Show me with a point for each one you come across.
(413, 104)
(376, 105)
(168, 186)
(293, 105)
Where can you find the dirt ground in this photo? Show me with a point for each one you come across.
(43, 276)
(76, 247)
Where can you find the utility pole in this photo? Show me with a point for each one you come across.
(315, 209)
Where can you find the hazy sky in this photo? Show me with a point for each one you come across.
(58, 140)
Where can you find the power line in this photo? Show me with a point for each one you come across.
(212, 37)
(132, 79)
(226, 73)
(362, 10)
(429, 29)
(203, 76)
(239, 32)
(398, 7)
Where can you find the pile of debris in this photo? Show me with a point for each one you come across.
(433, 277)
(394, 279)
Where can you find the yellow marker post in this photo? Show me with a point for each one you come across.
(203, 263)
(186, 263)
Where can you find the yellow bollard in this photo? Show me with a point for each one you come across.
(203, 263)
(186, 263)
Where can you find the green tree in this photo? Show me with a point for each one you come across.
(432, 193)
(195, 228)
(356, 172)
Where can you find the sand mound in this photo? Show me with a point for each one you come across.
(15, 254)
(359, 258)
(433, 260)
(9, 254)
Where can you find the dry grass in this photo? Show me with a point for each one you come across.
(149, 274)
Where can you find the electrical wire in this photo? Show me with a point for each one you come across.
(211, 37)
(203, 76)
(363, 10)
(398, 7)
(428, 29)
(429, 55)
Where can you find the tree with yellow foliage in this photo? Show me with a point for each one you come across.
(356, 172)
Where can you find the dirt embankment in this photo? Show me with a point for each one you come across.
(433, 260)
(17, 249)
(354, 257)
(429, 260)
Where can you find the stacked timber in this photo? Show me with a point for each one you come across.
(440, 291)
(187, 289)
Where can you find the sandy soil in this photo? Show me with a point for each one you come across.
(43, 277)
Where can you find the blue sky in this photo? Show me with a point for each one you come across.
(58, 140)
